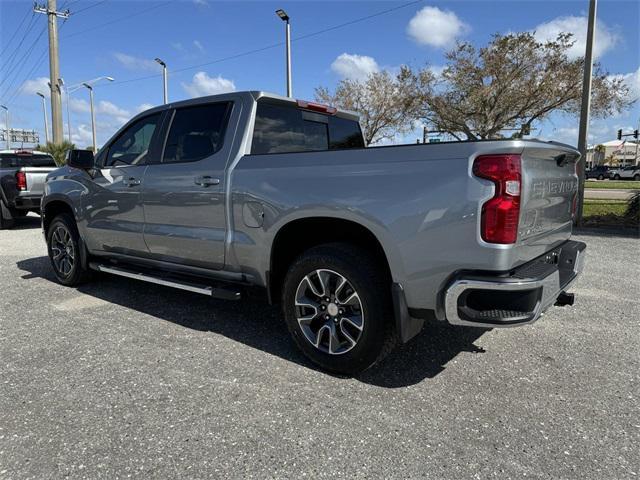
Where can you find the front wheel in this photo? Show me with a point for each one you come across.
(600, 177)
(636, 177)
(63, 244)
(337, 306)
(616, 177)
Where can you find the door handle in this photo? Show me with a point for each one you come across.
(131, 182)
(206, 181)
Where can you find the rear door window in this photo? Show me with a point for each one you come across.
(196, 132)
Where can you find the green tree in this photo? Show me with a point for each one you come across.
(57, 150)
(386, 103)
(512, 83)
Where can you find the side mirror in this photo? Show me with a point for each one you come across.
(82, 159)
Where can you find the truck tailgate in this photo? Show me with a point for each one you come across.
(35, 177)
(549, 189)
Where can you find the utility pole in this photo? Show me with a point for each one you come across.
(6, 125)
(54, 66)
(585, 108)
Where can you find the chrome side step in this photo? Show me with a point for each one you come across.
(215, 292)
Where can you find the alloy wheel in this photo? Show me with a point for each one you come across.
(62, 250)
(329, 311)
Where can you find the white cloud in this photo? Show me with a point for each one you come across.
(605, 39)
(436, 28)
(199, 46)
(143, 107)
(78, 105)
(111, 109)
(354, 67)
(40, 84)
(202, 85)
(81, 136)
(633, 82)
(135, 63)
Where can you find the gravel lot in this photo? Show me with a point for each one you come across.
(122, 379)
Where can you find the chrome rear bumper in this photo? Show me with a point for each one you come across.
(518, 297)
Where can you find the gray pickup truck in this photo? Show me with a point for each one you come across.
(358, 245)
(22, 176)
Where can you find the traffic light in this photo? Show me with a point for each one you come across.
(620, 134)
(635, 134)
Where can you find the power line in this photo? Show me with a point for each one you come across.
(27, 31)
(273, 45)
(119, 19)
(16, 73)
(90, 6)
(6, 46)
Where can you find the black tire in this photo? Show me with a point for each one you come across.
(63, 231)
(373, 291)
(600, 177)
(636, 177)
(6, 219)
(616, 177)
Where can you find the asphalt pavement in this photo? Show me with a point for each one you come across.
(121, 379)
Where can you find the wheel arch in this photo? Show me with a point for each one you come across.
(300, 234)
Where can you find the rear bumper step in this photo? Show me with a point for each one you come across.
(158, 279)
(518, 297)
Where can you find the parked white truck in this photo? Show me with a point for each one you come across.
(22, 176)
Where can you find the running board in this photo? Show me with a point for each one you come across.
(215, 292)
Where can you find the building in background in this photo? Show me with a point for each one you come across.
(614, 153)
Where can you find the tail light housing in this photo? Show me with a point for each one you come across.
(21, 181)
(500, 214)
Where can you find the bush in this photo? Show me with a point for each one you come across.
(632, 213)
(57, 150)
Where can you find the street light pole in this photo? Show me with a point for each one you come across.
(93, 117)
(164, 81)
(89, 86)
(66, 91)
(285, 18)
(44, 111)
(6, 125)
(585, 107)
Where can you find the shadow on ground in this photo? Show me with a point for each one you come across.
(258, 325)
(28, 222)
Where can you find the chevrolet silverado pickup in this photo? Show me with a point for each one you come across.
(22, 176)
(359, 245)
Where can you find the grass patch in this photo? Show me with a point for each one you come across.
(606, 213)
(604, 207)
(606, 184)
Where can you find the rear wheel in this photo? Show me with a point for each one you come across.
(337, 307)
(63, 243)
(6, 219)
(616, 177)
(600, 177)
(636, 177)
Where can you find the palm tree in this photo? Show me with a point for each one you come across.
(57, 150)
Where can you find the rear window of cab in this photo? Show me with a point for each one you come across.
(285, 129)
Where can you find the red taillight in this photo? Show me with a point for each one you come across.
(500, 214)
(21, 181)
(317, 107)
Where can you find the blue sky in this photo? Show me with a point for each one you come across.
(204, 42)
